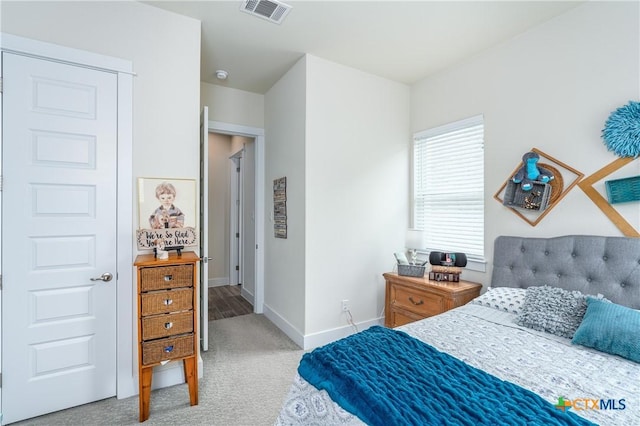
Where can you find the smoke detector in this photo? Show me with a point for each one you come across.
(271, 10)
(222, 75)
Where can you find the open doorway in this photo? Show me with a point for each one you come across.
(207, 127)
(231, 225)
(258, 179)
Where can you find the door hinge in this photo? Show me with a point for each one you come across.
(237, 267)
(0, 84)
(0, 281)
(0, 380)
(237, 235)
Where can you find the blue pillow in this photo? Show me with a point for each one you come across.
(610, 328)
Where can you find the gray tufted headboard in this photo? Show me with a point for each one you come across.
(590, 264)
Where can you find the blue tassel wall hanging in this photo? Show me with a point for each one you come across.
(621, 131)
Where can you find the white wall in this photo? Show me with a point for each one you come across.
(233, 106)
(552, 88)
(285, 134)
(357, 169)
(340, 136)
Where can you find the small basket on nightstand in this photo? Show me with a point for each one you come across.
(411, 271)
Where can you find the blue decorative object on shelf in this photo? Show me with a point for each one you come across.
(623, 190)
(621, 131)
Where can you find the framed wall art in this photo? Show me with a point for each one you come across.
(166, 203)
(280, 207)
(565, 178)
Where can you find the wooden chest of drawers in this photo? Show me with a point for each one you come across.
(410, 299)
(167, 320)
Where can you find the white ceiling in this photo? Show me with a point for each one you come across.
(403, 41)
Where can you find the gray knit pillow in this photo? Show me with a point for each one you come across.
(552, 309)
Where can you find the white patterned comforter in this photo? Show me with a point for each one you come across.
(489, 339)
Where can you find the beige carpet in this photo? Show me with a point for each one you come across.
(247, 373)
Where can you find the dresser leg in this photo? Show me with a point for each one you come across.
(191, 377)
(145, 392)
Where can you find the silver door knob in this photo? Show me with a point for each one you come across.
(106, 277)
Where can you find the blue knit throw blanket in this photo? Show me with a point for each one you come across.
(386, 377)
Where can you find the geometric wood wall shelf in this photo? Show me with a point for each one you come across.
(561, 172)
(587, 186)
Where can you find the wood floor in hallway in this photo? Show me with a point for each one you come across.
(226, 302)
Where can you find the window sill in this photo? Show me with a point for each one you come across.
(476, 265)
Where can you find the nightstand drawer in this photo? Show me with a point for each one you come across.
(420, 302)
(162, 302)
(398, 318)
(165, 277)
(157, 326)
(167, 349)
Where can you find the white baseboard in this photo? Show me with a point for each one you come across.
(284, 325)
(323, 337)
(314, 340)
(247, 296)
(218, 282)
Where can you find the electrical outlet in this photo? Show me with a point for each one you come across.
(345, 305)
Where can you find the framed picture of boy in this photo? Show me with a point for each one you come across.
(166, 203)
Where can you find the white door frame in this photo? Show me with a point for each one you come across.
(126, 351)
(204, 231)
(258, 135)
(235, 221)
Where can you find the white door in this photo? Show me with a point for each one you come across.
(204, 229)
(248, 219)
(235, 219)
(58, 218)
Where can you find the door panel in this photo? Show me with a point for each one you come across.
(249, 219)
(58, 215)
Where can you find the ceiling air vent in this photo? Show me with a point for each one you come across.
(270, 10)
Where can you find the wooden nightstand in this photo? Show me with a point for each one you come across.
(411, 299)
(167, 320)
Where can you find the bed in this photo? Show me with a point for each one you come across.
(559, 326)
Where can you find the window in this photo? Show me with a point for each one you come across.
(448, 187)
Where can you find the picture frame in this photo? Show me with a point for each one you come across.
(152, 214)
(566, 177)
(280, 207)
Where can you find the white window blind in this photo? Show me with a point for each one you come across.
(448, 187)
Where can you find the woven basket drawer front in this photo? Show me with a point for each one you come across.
(158, 326)
(164, 277)
(167, 349)
(164, 302)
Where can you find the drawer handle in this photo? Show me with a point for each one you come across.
(414, 302)
(168, 302)
(168, 325)
(168, 349)
(168, 277)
